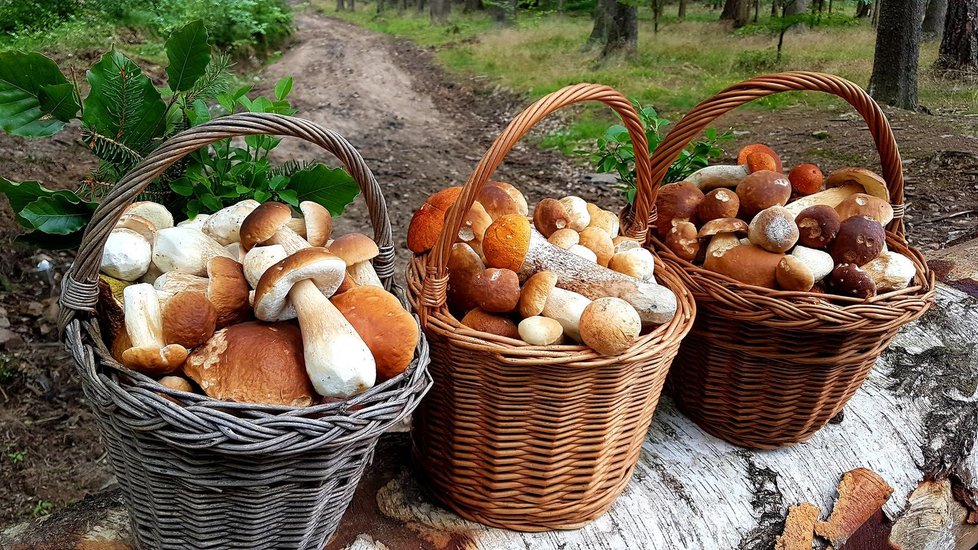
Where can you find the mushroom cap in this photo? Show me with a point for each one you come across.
(178, 383)
(254, 363)
(890, 271)
(224, 225)
(576, 209)
(794, 274)
(540, 331)
(860, 240)
(676, 201)
(748, 264)
(634, 262)
(851, 280)
(189, 319)
(196, 222)
(126, 255)
(598, 241)
(806, 179)
(318, 222)
(609, 326)
(464, 264)
(583, 252)
(429, 220)
(536, 292)
(773, 229)
(862, 204)
(682, 240)
(491, 323)
(817, 226)
(723, 225)
(138, 224)
(763, 189)
(506, 242)
(759, 160)
(623, 244)
(500, 198)
(549, 216)
(496, 290)
(474, 224)
(759, 147)
(155, 361)
(383, 324)
(605, 220)
(263, 222)
(227, 290)
(872, 182)
(564, 238)
(354, 248)
(717, 204)
(317, 264)
(259, 259)
(156, 213)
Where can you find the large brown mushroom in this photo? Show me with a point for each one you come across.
(676, 201)
(761, 190)
(148, 352)
(189, 319)
(388, 329)
(227, 290)
(499, 198)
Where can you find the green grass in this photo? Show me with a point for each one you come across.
(686, 62)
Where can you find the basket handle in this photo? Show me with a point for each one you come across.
(436, 279)
(734, 96)
(80, 283)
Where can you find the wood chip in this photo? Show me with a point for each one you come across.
(862, 492)
(799, 528)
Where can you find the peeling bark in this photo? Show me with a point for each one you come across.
(862, 493)
(799, 528)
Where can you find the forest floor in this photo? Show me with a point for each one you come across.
(420, 130)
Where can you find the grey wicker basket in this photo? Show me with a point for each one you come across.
(202, 473)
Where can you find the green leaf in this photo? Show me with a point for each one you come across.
(187, 54)
(20, 194)
(56, 215)
(283, 87)
(59, 100)
(289, 196)
(22, 76)
(330, 187)
(123, 105)
(182, 186)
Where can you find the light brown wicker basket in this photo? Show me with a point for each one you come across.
(765, 368)
(214, 474)
(531, 437)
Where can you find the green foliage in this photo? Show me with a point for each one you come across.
(124, 117)
(43, 508)
(615, 153)
(34, 14)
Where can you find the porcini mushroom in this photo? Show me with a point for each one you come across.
(860, 239)
(718, 175)
(189, 319)
(148, 353)
(259, 259)
(609, 326)
(227, 290)
(196, 222)
(224, 226)
(583, 252)
(317, 223)
(604, 220)
(268, 224)
(491, 323)
(635, 262)
(338, 361)
(890, 271)
(187, 250)
(850, 280)
(138, 224)
(500, 198)
(541, 331)
(723, 234)
(773, 229)
(383, 324)
(862, 204)
(598, 241)
(795, 275)
(156, 213)
(464, 264)
(168, 284)
(682, 241)
(126, 255)
(565, 238)
(761, 190)
(357, 250)
(676, 201)
(819, 262)
(749, 264)
(549, 216)
(842, 184)
(719, 203)
(576, 208)
(541, 296)
(817, 226)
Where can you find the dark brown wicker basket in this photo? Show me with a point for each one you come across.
(764, 368)
(214, 474)
(536, 437)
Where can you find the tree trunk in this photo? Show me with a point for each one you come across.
(352, 5)
(795, 7)
(682, 9)
(657, 6)
(420, 6)
(615, 27)
(876, 13)
(743, 13)
(863, 9)
(757, 9)
(959, 47)
(472, 5)
(340, 6)
(439, 11)
(774, 8)
(934, 19)
(380, 6)
(894, 79)
(560, 6)
(729, 10)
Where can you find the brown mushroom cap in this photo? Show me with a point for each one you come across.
(871, 182)
(429, 220)
(155, 361)
(763, 189)
(189, 319)
(723, 225)
(599, 242)
(318, 222)
(682, 240)
(817, 226)
(536, 292)
(496, 290)
(263, 222)
(227, 290)
(319, 265)
(748, 264)
(253, 363)
(491, 323)
(354, 248)
(609, 325)
(794, 274)
(773, 229)
(850, 280)
(564, 238)
(388, 329)
(500, 198)
(549, 216)
(178, 383)
(464, 264)
(506, 242)
(676, 201)
(719, 203)
(860, 240)
(862, 204)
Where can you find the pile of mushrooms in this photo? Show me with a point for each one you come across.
(562, 274)
(252, 303)
(801, 232)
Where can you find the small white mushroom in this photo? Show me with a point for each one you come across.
(259, 259)
(818, 261)
(541, 331)
(718, 175)
(187, 250)
(635, 262)
(126, 255)
(891, 271)
(225, 225)
(541, 296)
(577, 215)
(155, 212)
(196, 222)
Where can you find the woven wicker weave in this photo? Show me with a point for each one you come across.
(532, 437)
(212, 474)
(764, 368)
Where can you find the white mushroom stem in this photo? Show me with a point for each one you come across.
(830, 197)
(818, 261)
(720, 175)
(363, 274)
(655, 304)
(566, 308)
(144, 319)
(890, 271)
(168, 284)
(298, 225)
(259, 259)
(290, 240)
(338, 361)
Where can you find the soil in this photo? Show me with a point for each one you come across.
(419, 130)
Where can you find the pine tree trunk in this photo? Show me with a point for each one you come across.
(615, 27)
(876, 13)
(420, 6)
(894, 79)
(352, 5)
(340, 6)
(729, 10)
(862, 10)
(682, 9)
(472, 5)
(934, 19)
(439, 11)
(795, 7)
(743, 13)
(959, 46)
(774, 8)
